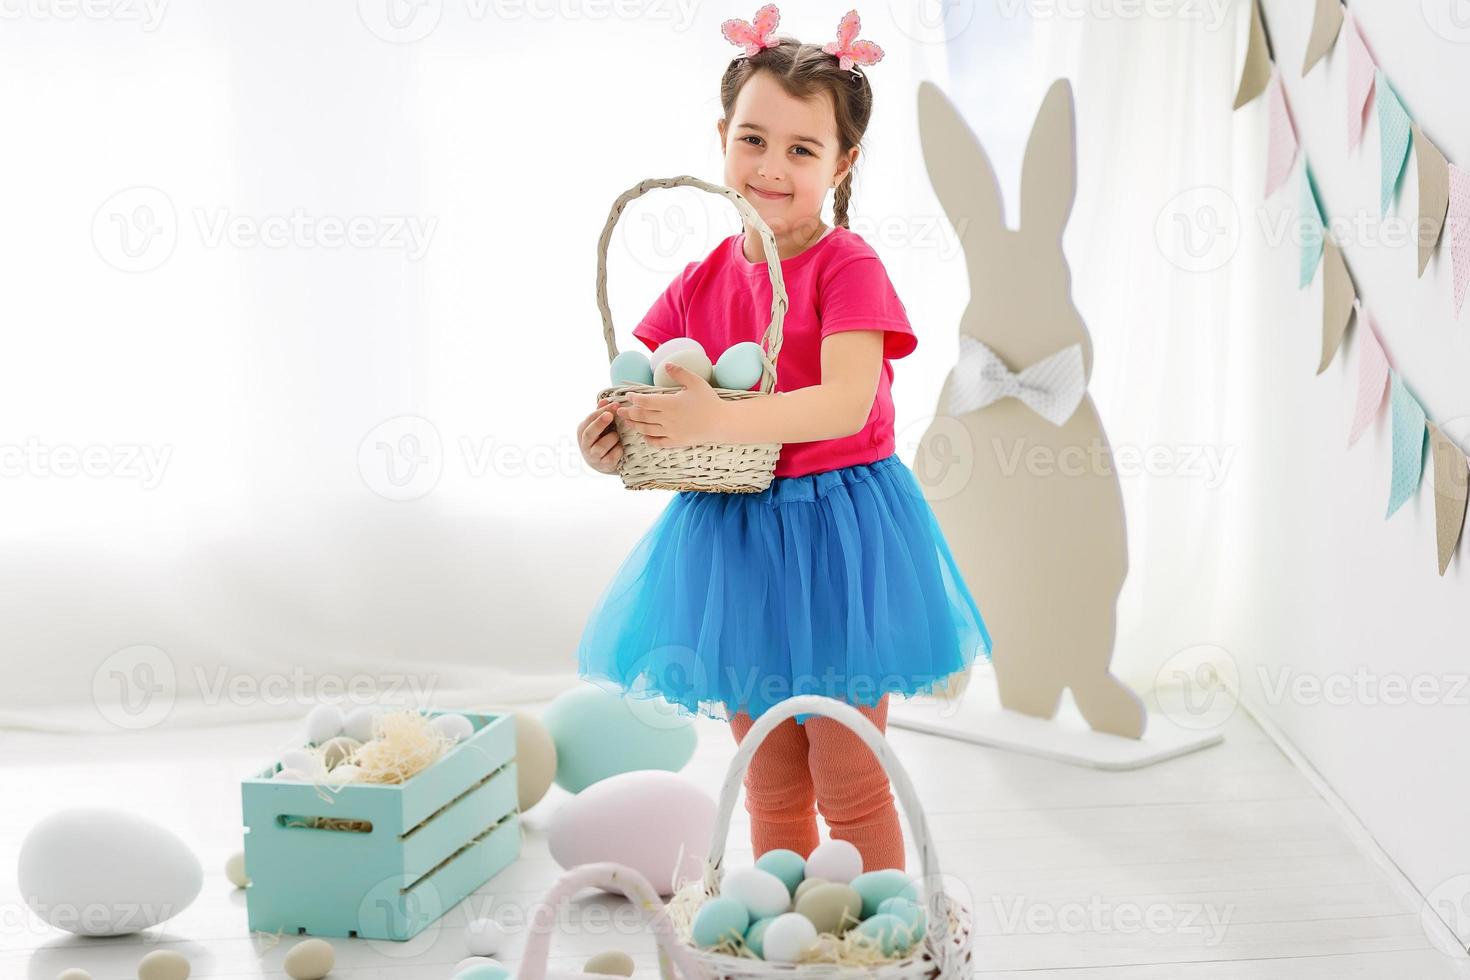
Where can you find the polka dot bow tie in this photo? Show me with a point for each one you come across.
(1052, 387)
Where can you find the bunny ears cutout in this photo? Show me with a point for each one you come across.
(755, 36)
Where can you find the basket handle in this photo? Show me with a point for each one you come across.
(936, 900)
(771, 342)
(610, 876)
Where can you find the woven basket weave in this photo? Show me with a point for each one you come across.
(719, 467)
(943, 953)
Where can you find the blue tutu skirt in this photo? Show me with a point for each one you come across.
(837, 583)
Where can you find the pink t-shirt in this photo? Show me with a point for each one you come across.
(838, 283)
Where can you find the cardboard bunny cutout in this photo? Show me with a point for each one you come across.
(1024, 484)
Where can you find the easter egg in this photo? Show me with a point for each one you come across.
(875, 886)
(163, 964)
(535, 760)
(235, 870)
(310, 959)
(912, 913)
(598, 734)
(690, 360)
(452, 725)
(301, 760)
(807, 885)
(787, 937)
(719, 919)
(761, 892)
(832, 907)
(644, 819)
(484, 937)
(323, 722)
(470, 961)
(612, 963)
(755, 936)
(835, 860)
(359, 723)
(891, 933)
(785, 864)
(631, 367)
(101, 871)
(74, 973)
(739, 367)
(672, 346)
(336, 751)
(489, 970)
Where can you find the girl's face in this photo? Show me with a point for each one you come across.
(781, 154)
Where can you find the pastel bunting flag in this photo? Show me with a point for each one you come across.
(1326, 24)
(1434, 195)
(1451, 477)
(1310, 216)
(1459, 218)
(1361, 69)
(1393, 127)
(1408, 444)
(1257, 72)
(1338, 296)
(1282, 147)
(1372, 376)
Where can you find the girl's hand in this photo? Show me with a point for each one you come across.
(691, 416)
(597, 434)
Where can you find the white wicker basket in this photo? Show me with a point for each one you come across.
(719, 467)
(945, 949)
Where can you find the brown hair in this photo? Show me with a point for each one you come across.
(804, 71)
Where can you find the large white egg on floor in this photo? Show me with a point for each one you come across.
(100, 871)
(644, 819)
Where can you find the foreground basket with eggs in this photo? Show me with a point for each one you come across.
(944, 950)
(719, 467)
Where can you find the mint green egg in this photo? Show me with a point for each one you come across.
(631, 367)
(875, 886)
(599, 734)
(785, 864)
(890, 932)
(755, 935)
(719, 919)
(910, 912)
(483, 971)
(740, 367)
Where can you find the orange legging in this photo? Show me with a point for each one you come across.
(824, 762)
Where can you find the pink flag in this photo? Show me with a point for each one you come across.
(1361, 70)
(1460, 231)
(1372, 375)
(1281, 153)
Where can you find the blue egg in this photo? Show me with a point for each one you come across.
(598, 734)
(718, 919)
(631, 367)
(755, 935)
(483, 971)
(891, 932)
(785, 864)
(739, 368)
(910, 912)
(875, 886)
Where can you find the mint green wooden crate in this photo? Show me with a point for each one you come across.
(435, 839)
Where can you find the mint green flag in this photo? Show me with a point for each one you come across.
(1408, 445)
(1393, 126)
(1311, 223)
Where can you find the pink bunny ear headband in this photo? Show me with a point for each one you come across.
(847, 49)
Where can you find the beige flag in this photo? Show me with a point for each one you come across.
(1257, 73)
(1451, 475)
(1326, 25)
(1434, 195)
(1338, 295)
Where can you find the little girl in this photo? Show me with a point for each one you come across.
(836, 579)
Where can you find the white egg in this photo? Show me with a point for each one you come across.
(673, 346)
(336, 751)
(74, 973)
(302, 760)
(100, 871)
(835, 860)
(359, 723)
(761, 892)
(310, 959)
(347, 772)
(457, 727)
(294, 776)
(689, 360)
(235, 870)
(787, 937)
(163, 964)
(484, 937)
(323, 722)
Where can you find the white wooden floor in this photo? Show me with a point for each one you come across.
(1220, 864)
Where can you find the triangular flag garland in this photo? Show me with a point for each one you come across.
(1337, 302)
(1361, 70)
(1281, 150)
(1257, 73)
(1393, 127)
(1408, 444)
(1372, 376)
(1459, 233)
(1434, 195)
(1310, 217)
(1325, 27)
(1451, 479)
